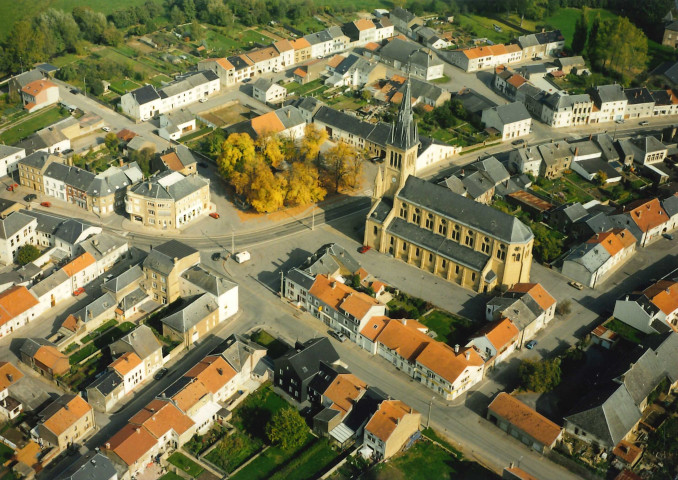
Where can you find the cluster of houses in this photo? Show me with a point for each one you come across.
(321, 287)
(35, 88)
(170, 199)
(600, 104)
(346, 409)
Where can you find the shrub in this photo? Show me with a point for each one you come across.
(27, 254)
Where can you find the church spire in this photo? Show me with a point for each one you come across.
(404, 133)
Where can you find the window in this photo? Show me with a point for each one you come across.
(442, 227)
(456, 233)
(444, 263)
(469, 239)
(416, 252)
(429, 221)
(404, 246)
(456, 269)
(430, 257)
(403, 211)
(485, 247)
(501, 252)
(375, 230)
(416, 218)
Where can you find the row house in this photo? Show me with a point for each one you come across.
(43, 357)
(609, 103)
(146, 102)
(163, 268)
(10, 407)
(541, 44)
(18, 307)
(197, 281)
(645, 219)
(341, 307)
(265, 60)
(480, 58)
(445, 370)
(302, 50)
(123, 376)
(9, 159)
(511, 120)
(527, 305)
(286, 51)
(65, 422)
(221, 67)
(595, 260)
(496, 341)
(144, 344)
(559, 110)
(16, 230)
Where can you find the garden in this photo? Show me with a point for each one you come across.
(184, 463)
(276, 347)
(41, 119)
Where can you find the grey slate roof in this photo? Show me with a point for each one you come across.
(328, 259)
(132, 299)
(589, 255)
(36, 159)
(485, 219)
(404, 134)
(129, 276)
(208, 281)
(381, 211)
(449, 249)
(608, 414)
(667, 352)
(178, 190)
(643, 376)
(58, 171)
(161, 258)
(300, 278)
(608, 93)
(568, 61)
(595, 165)
(49, 283)
(607, 147)
(305, 358)
(551, 153)
(423, 89)
(31, 346)
(97, 308)
(145, 94)
(47, 223)
(573, 211)
(262, 84)
(637, 96)
(670, 205)
(141, 340)
(192, 314)
(511, 113)
(101, 244)
(402, 14)
(107, 383)
(237, 351)
(92, 466)
(14, 223)
(7, 150)
(25, 78)
(79, 179)
(473, 102)
(289, 116)
(492, 169)
(70, 230)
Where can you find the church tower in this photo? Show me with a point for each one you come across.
(401, 150)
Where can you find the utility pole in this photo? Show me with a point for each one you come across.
(282, 277)
(84, 81)
(428, 420)
(313, 218)
(232, 242)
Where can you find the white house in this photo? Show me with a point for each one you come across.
(53, 290)
(9, 157)
(267, 91)
(146, 102)
(16, 230)
(130, 367)
(511, 120)
(496, 341)
(176, 124)
(196, 280)
(9, 375)
(654, 310)
(562, 110)
(19, 307)
(221, 67)
(525, 160)
(610, 102)
(105, 248)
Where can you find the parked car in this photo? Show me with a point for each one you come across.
(520, 141)
(576, 285)
(531, 344)
(364, 249)
(644, 123)
(203, 100)
(202, 165)
(79, 291)
(75, 91)
(214, 215)
(160, 373)
(45, 204)
(619, 120)
(11, 187)
(106, 129)
(216, 256)
(30, 197)
(667, 236)
(242, 257)
(338, 335)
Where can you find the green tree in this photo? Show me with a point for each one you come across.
(24, 46)
(546, 246)
(143, 158)
(287, 429)
(27, 254)
(540, 375)
(593, 47)
(601, 177)
(111, 141)
(580, 32)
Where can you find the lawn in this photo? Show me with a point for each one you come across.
(5, 452)
(451, 329)
(171, 476)
(26, 128)
(562, 190)
(626, 331)
(301, 90)
(123, 86)
(234, 450)
(426, 461)
(276, 348)
(92, 335)
(181, 461)
(483, 27)
(83, 353)
(275, 460)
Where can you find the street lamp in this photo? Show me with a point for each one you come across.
(428, 420)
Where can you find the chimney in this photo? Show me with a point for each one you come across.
(220, 371)
(89, 314)
(468, 356)
(333, 284)
(107, 445)
(404, 321)
(576, 151)
(456, 348)
(10, 377)
(288, 113)
(138, 430)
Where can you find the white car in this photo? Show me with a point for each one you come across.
(106, 129)
(203, 100)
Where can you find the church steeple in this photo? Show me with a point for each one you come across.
(404, 133)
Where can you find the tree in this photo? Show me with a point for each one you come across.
(111, 141)
(143, 158)
(197, 32)
(270, 146)
(303, 185)
(188, 6)
(313, 139)
(592, 49)
(337, 164)
(236, 151)
(547, 246)
(24, 46)
(540, 375)
(92, 24)
(27, 254)
(580, 32)
(261, 189)
(601, 177)
(287, 429)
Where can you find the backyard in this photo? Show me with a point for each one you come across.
(184, 463)
(39, 120)
(451, 329)
(276, 347)
(626, 331)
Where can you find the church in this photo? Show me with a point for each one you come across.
(430, 226)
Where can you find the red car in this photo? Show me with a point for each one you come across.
(78, 291)
(45, 204)
(214, 215)
(12, 187)
(364, 248)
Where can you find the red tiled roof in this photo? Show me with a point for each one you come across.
(14, 301)
(524, 418)
(537, 292)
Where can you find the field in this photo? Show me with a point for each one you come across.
(227, 115)
(565, 19)
(41, 120)
(483, 27)
(425, 461)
